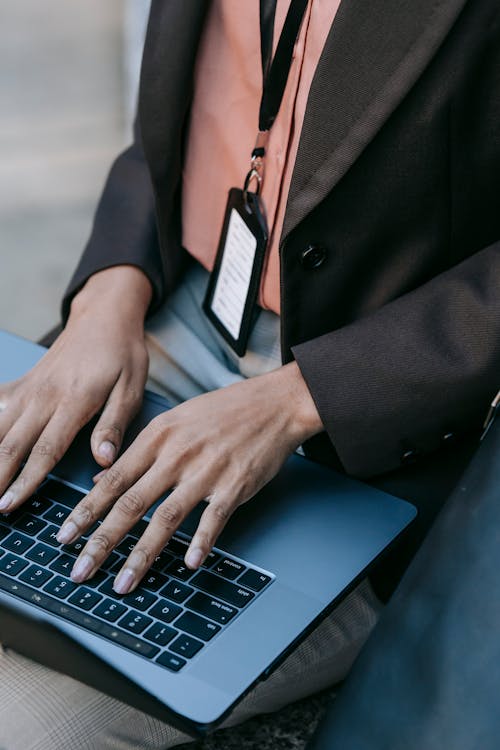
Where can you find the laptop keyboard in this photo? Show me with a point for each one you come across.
(169, 618)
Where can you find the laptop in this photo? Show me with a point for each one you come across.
(186, 646)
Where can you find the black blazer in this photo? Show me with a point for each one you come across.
(397, 183)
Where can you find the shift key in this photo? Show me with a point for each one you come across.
(230, 592)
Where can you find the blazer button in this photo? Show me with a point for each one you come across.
(313, 256)
(409, 457)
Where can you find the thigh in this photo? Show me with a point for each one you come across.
(43, 710)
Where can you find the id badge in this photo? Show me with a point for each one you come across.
(230, 301)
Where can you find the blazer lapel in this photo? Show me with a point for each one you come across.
(374, 53)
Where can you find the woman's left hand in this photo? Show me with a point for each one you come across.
(221, 447)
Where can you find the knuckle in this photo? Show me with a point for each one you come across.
(221, 512)
(108, 429)
(9, 451)
(46, 449)
(101, 542)
(113, 480)
(169, 514)
(85, 514)
(131, 504)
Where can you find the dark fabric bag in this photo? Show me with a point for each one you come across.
(429, 677)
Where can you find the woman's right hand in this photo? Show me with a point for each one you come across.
(99, 361)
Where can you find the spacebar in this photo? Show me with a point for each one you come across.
(76, 616)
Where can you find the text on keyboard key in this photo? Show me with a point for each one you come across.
(12, 565)
(176, 591)
(254, 580)
(60, 587)
(228, 568)
(218, 587)
(42, 554)
(186, 646)
(160, 634)
(110, 610)
(195, 625)
(17, 542)
(35, 575)
(135, 622)
(171, 661)
(165, 611)
(212, 608)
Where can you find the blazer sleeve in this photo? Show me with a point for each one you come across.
(124, 229)
(424, 367)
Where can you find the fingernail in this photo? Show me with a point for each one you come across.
(6, 500)
(124, 581)
(194, 557)
(107, 451)
(67, 532)
(82, 568)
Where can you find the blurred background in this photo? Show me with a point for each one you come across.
(68, 80)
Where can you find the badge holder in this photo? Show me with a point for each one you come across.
(231, 298)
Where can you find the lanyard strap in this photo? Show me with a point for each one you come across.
(275, 71)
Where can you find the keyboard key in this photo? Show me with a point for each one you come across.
(211, 559)
(140, 599)
(254, 580)
(63, 564)
(57, 514)
(108, 590)
(135, 622)
(48, 536)
(36, 505)
(179, 570)
(42, 554)
(213, 608)
(186, 646)
(111, 561)
(126, 546)
(96, 580)
(176, 591)
(4, 531)
(12, 565)
(228, 568)
(85, 598)
(60, 587)
(170, 661)
(177, 546)
(35, 575)
(17, 542)
(160, 634)
(218, 587)
(76, 547)
(197, 626)
(110, 610)
(153, 581)
(165, 611)
(30, 525)
(60, 493)
(162, 561)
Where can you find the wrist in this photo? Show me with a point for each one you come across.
(305, 419)
(123, 289)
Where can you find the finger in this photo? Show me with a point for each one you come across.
(127, 510)
(121, 407)
(14, 448)
(47, 450)
(213, 519)
(8, 411)
(97, 477)
(115, 482)
(165, 521)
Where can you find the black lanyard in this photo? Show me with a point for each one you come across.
(275, 71)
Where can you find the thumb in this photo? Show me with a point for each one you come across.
(107, 437)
